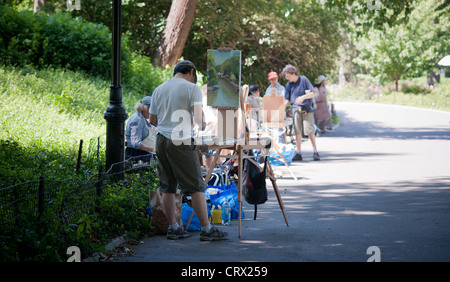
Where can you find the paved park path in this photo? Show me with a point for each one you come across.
(383, 182)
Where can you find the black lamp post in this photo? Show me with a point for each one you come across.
(115, 114)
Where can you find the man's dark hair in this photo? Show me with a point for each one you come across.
(185, 67)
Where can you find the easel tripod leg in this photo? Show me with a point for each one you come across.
(277, 193)
(240, 167)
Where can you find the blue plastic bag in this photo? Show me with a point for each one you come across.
(186, 212)
(221, 193)
(287, 155)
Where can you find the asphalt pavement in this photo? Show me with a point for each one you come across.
(381, 191)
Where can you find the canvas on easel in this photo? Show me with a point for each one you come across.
(223, 88)
(224, 78)
(230, 101)
(273, 119)
(273, 111)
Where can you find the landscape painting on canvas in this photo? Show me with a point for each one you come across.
(224, 78)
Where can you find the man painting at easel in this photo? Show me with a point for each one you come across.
(178, 161)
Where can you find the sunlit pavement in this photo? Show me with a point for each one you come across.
(383, 182)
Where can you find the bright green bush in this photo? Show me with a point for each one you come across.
(59, 41)
(20, 38)
(143, 77)
(54, 40)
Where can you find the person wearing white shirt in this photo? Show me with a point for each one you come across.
(176, 104)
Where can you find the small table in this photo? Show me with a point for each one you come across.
(240, 146)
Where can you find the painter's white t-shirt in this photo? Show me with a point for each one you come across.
(171, 103)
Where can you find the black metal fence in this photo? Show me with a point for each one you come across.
(41, 204)
(61, 198)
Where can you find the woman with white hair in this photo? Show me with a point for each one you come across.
(299, 92)
(140, 134)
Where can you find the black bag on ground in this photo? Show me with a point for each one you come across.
(254, 183)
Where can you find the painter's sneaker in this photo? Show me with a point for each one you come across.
(178, 233)
(316, 156)
(213, 234)
(297, 157)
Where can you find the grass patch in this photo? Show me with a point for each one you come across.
(43, 116)
(413, 92)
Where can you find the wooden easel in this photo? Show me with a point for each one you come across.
(273, 117)
(247, 144)
(253, 143)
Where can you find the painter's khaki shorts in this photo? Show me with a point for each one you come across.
(178, 164)
(304, 123)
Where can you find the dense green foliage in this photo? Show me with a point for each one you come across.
(54, 40)
(58, 40)
(72, 219)
(143, 20)
(410, 49)
(43, 115)
(271, 34)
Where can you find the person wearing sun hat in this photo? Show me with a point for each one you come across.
(274, 88)
(321, 113)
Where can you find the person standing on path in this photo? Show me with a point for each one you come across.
(321, 113)
(299, 92)
(175, 104)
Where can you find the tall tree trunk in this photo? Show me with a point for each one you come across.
(179, 22)
(38, 4)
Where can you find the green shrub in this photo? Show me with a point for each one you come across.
(19, 37)
(59, 41)
(143, 77)
(54, 40)
(415, 89)
(75, 44)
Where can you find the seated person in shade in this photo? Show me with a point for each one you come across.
(140, 134)
(255, 102)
